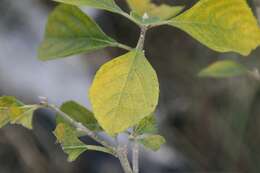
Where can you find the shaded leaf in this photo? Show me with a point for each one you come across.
(68, 138)
(153, 142)
(147, 125)
(222, 69)
(109, 5)
(80, 114)
(162, 11)
(69, 31)
(221, 25)
(15, 112)
(124, 91)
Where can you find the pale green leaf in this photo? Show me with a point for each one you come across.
(222, 25)
(14, 112)
(68, 138)
(222, 69)
(108, 5)
(146, 125)
(69, 31)
(124, 91)
(162, 11)
(80, 114)
(153, 142)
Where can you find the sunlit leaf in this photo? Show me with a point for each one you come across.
(222, 25)
(162, 11)
(225, 68)
(109, 5)
(146, 125)
(153, 142)
(14, 112)
(80, 114)
(69, 31)
(124, 91)
(68, 138)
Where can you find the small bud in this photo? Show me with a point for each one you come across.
(145, 16)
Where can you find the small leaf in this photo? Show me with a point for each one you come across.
(14, 112)
(146, 125)
(162, 12)
(222, 25)
(69, 31)
(222, 69)
(80, 114)
(125, 90)
(152, 142)
(71, 145)
(109, 5)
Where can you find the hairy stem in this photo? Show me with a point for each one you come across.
(122, 156)
(135, 157)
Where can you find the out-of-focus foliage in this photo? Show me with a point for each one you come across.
(15, 112)
(223, 69)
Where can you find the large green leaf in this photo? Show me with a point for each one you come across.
(80, 114)
(162, 11)
(109, 5)
(69, 31)
(222, 69)
(68, 138)
(153, 142)
(124, 91)
(14, 112)
(222, 25)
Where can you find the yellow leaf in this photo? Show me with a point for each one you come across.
(146, 6)
(222, 25)
(124, 91)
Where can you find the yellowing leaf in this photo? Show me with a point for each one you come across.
(152, 142)
(222, 25)
(80, 114)
(109, 5)
(69, 31)
(222, 69)
(71, 145)
(14, 112)
(161, 11)
(124, 91)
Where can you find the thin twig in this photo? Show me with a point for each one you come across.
(81, 128)
(135, 157)
(122, 156)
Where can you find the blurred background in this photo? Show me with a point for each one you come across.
(211, 126)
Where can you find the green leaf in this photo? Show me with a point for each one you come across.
(69, 31)
(222, 69)
(146, 125)
(124, 91)
(108, 5)
(161, 12)
(14, 112)
(80, 114)
(222, 25)
(71, 145)
(153, 142)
